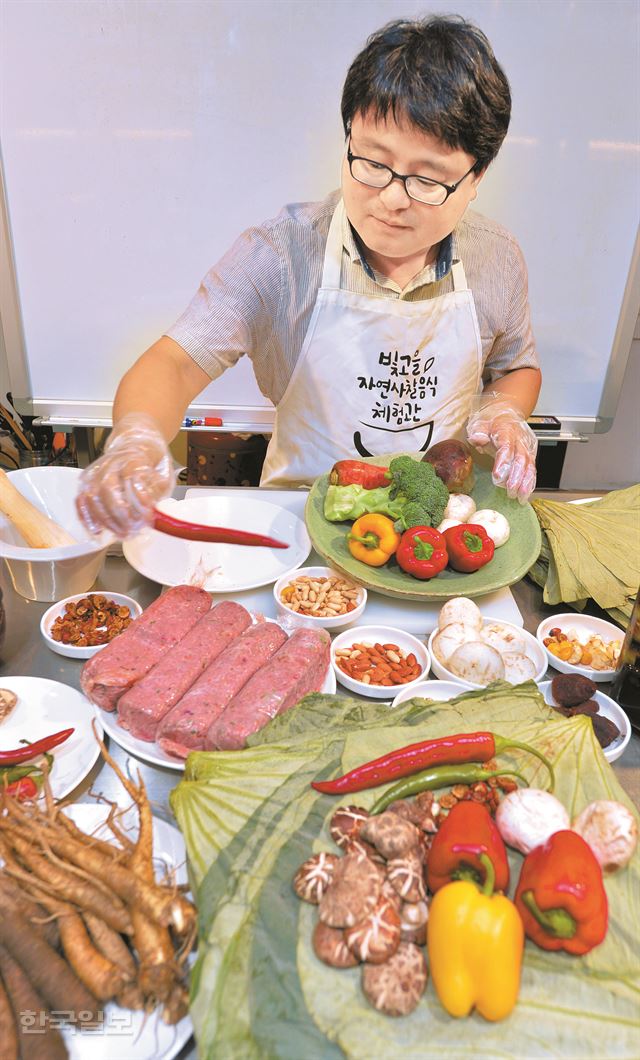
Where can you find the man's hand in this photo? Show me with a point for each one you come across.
(120, 490)
(497, 426)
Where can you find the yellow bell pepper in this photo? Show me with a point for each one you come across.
(475, 941)
(372, 539)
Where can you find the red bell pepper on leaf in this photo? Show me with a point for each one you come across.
(422, 552)
(560, 895)
(357, 473)
(469, 547)
(25, 788)
(468, 831)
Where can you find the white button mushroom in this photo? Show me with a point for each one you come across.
(611, 832)
(451, 637)
(477, 662)
(496, 525)
(446, 524)
(503, 637)
(518, 667)
(460, 609)
(528, 816)
(460, 507)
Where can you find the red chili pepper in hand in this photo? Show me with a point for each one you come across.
(467, 831)
(357, 473)
(469, 547)
(422, 552)
(32, 750)
(444, 750)
(560, 895)
(166, 524)
(26, 788)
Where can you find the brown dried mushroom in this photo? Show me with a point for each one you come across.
(390, 834)
(413, 922)
(396, 986)
(356, 845)
(329, 946)
(346, 823)
(314, 876)
(405, 875)
(377, 937)
(353, 892)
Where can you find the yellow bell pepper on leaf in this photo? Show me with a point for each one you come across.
(373, 539)
(475, 941)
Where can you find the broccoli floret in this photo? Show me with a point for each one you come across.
(422, 495)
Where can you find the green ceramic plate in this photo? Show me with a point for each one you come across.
(510, 562)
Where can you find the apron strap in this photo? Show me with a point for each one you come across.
(458, 276)
(333, 253)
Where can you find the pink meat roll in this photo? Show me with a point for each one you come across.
(111, 671)
(142, 708)
(299, 667)
(185, 727)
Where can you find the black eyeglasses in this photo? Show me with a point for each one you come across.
(422, 189)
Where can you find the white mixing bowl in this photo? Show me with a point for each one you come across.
(52, 573)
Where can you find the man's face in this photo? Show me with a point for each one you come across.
(391, 224)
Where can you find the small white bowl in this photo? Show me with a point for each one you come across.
(533, 649)
(586, 627)
(609, 709)
(379, 635)
(441, 691)
(294, 619)
(57, 610)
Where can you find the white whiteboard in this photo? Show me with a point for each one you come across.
(130, 131)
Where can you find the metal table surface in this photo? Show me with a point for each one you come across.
(25, 653)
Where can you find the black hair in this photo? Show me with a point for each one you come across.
(438, 73)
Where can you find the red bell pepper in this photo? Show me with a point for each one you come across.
(469, 547)
(422, 552)
(468, 831)
(561, 897)
(357, 473)
(25, 788)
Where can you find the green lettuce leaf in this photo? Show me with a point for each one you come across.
(250, 818)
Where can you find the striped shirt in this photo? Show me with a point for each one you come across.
(259, 298)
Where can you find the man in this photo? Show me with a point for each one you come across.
(380, 320)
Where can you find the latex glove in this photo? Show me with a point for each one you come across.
(120, 489)
(496, 426)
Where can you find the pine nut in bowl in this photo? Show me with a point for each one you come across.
(318, 598)
(81, 625)
(378, 661)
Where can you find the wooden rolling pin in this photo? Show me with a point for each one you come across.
(37, 529)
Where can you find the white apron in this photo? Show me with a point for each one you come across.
(374, 375)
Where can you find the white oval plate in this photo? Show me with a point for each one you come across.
(586, 626)
(220, 568)
(45, 707)
(150, 751)
(128, 1035)
(535, 652)
(610, 709)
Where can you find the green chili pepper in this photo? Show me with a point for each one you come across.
(438, 777)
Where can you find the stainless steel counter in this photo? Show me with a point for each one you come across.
(25, 653)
